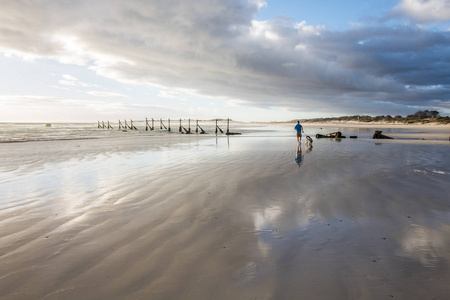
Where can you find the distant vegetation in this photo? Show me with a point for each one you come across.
(420, 117)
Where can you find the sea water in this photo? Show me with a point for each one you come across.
(25, 132)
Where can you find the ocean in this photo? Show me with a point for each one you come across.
(26, 132)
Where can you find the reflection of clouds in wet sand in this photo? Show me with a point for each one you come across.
(264, 221)
(424, 245)
(206, 220)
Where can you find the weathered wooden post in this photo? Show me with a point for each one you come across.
(146, 124)
(132, 126)
(162, 124)
(153, 124)
(120, 125)
(109, 126)
(180, 127)
(228, 129)
(98, 125)
(197, 127)
(168, 120)
(189, 127)
(217, 127)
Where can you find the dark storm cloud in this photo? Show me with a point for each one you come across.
(216, 48)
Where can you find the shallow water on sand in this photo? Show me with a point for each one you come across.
(227, 218)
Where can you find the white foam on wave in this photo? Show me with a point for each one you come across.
(430, 171)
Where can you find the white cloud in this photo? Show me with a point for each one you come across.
(20, 107)
(67, 82)
(259, 3)
(69, 77)
(106, 94)
(424, 10)
(216, 49)
(70, 80)
(172, 95)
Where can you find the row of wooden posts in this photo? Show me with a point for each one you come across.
(150, 125)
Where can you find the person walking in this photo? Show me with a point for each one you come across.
(299, 129)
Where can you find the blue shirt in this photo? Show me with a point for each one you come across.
(298, 127)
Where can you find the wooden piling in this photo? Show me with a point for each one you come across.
(183, 128)
(132, 126)
(228, 129)
(125, 125)
(161, 125)
(197, 127)
(217, 127)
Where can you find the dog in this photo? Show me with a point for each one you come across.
(308, 143)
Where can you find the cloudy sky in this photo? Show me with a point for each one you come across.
(250, 60)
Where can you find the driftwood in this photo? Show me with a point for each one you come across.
(333, 135)
(378, 135)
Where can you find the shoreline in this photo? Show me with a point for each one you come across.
(378, 124)
(354, 123)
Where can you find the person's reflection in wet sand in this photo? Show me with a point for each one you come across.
(299, 155)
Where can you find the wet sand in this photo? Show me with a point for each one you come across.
(188, 217)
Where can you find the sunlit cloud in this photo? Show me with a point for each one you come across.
(73, 81)
(172, 95)
(217, 50)
(424, 11)
(60, 109)
(106, 94)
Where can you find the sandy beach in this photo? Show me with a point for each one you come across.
(206, 217)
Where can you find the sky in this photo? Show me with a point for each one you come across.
(248, 60)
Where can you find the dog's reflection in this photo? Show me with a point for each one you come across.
(308, 143)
